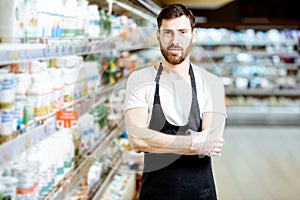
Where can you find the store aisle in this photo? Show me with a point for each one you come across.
(259, 163)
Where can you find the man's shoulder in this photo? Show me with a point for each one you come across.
(142, 74)
(205, 74)
(142, 71)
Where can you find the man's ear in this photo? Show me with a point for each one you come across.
(157, 34)
(195, 34)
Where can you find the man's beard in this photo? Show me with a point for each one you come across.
(175, 59)
(171, 58)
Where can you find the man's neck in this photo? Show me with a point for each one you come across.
(179, 71)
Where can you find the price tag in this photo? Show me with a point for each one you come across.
(66, 119)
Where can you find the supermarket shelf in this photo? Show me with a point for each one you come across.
(125, 190)
(269, 77)
(212, 65)
(216, 54)
(228, 42)
(264, 92)
(22, 53)
(71, 179)
(12, 149)
(29, 129)
(40, 56)
(97, 196)
(264, 109)
(242, 115)
(99, 150)
(65, 186)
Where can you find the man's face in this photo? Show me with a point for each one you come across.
(175, 39)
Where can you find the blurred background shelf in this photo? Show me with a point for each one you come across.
(263, 115)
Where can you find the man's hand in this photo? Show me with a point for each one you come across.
(205, 143)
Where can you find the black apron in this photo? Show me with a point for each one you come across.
(172, 176)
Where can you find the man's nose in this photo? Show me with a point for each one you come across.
(176, 38)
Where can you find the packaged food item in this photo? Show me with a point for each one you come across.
(27, 174)
(39, 94)
(113, 120)
(6, 126)
(69, 85)
(23, 82)
(57, 88)
(7, 91)
(8, 187)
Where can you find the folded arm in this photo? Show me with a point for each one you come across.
(144, 139)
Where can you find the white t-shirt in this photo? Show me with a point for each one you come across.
(175, 95)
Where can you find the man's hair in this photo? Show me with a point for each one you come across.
(173, 11)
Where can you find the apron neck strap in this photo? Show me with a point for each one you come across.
(160, 68)
(193, 82)
(156, 98)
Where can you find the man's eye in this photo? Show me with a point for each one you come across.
(183, 32)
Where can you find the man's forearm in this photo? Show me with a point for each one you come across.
(157, 142)
(144, 139)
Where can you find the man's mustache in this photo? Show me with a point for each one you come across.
(174, 47)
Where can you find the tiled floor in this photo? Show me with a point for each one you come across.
(259, 163)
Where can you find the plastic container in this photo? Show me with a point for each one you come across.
(94, 25)
(28, 179)
(68, 149)
(57, 88)
(6, 128)
(8, 188)
(112, 120)
(69, 84)
(70, 18)
(22, 84)
(8, 21)
(23, 81)
(7, 92)
(39, 93)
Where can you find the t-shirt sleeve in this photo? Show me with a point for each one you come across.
(135, 92)
(215, 94)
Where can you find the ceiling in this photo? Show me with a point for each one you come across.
(235, 14)
(197, 4)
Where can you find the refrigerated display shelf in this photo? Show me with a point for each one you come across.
(64, 187)
(107, 180)
(278, 102)
(238, 42)
(13, 148)
(212, 65)
(23, 53)
(40, 128)
(216, 54)
(81, 169)
(105, 183)
(294, 93)
(122, 185)
(254, 115)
